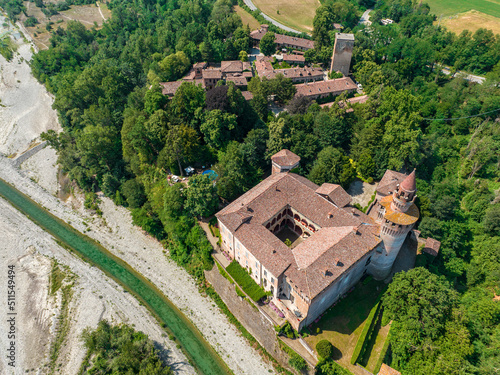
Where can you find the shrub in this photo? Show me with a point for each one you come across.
(297, 362)
(318, 330)
(324, 349)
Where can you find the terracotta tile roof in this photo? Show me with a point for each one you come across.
(309, 251)
(247, 215)
(334, 261)
(238, 81)
(294, 41)
(212, 74)
(200, 65)
(234, 66)
(294, 73)
(284, 39)
(262, 66)
(247, 95)
(336, 193)
(169, 88)
(334, 86)
(409, 184)
(358, 99)
(389, 182)
(432, 247)
(386, 370)
(285, 158)
(294, 58)
(402, 218)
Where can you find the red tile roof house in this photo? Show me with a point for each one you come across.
(282, 41)
(323, 89)
(332, 252)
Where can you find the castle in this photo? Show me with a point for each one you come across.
(331, 244)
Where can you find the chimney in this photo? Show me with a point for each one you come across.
(355, 230)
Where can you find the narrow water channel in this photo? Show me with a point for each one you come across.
(201, 354)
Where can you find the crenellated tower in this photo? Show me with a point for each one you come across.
(397, 215)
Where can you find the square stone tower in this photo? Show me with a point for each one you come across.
(342, 53)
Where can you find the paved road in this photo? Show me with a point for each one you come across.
(365, 18)
(468, 77)
(274, 22)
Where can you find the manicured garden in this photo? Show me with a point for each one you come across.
(343, 324)
(245, 281)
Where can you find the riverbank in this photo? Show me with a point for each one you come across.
(95, 296)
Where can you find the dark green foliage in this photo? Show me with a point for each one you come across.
(120, 350)
(324, 348)
(267, 45)
(332, 166)
(287, 330)
(297, 362)
(330, 367)
(133, 192)
(201, 197)
(245, 281)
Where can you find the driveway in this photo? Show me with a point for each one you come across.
(365, 18)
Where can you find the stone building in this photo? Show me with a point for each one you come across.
(332, 243)
(323, 89)
(342, 53)
(282, 41)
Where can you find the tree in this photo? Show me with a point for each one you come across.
(299, 105)
(267, 44)
(332, 166)
(243, 56)
(174, 66)
(278, 137)
(217, 128)
(324, 349)
(180, 142)
(201, 196)
(491, 222)
(133, 191)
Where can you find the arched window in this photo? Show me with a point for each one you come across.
(274, 221)
(268, 225)
(279, 216)
(296, 217)
(298, 230)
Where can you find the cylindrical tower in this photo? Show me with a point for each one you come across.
(398, 214)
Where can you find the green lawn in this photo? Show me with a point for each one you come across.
(245, 281)
(343, 323)
(451, 7)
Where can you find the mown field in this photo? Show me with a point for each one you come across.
(452, 7)
(471, 21)
(298, 14)
(247, 18)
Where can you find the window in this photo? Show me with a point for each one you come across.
(256, 264)
(265, 273)
(246, 254)
(272, 280)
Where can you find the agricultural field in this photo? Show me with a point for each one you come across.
(298, 14)
(459, 15)
(471, 20)
(89, 15)
(247, 18)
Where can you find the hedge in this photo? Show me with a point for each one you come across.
(382, 355)
(367, 328)
(245, 281)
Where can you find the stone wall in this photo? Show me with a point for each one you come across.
(253, 320)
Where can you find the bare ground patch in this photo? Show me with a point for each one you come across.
(472, 21)
(298, 14)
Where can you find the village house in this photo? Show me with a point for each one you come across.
(332, 243)
(297, 75)
(324, 89)
(282, 41)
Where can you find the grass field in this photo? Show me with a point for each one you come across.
(343, 323)
(247, 18)
(451, 7)
(297, 14)
(471, 20)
